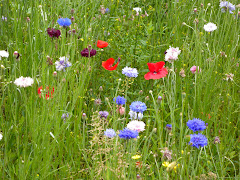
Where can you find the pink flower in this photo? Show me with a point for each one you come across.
(194, 68)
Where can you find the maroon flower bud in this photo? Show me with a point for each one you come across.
(72, 18)
(85, 52)
(53, 32)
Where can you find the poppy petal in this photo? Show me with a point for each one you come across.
(155, 67)
(108, 64)
(101, 44)
(162, 73)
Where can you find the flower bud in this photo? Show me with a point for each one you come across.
(195, 10)
(121, 110)
(55, 73)
(159, 99)
(84, 116)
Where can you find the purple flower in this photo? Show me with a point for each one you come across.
(62, 64)
(107, 10)
(53, 32)
(198, 140)
(225, 5)
(128, 134)
(64, 22)
(103, 114)
(138, 106)
(85, 52)
(119, 100)
(65, 116)
(110, 133)
(196, 125)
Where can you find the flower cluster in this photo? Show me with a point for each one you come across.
(227, 6)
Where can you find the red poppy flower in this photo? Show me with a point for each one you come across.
(102, 44)
(138, 164)
(156, 71)
(47, 93)
(108, 64)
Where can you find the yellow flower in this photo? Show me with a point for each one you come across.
(182, 152)
(136, 157)
(171, 165)
(81, 39)
(165, 164)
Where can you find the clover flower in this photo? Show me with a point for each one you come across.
(110, 133)
(136, 125)
(62, 64)
(24, 81)
(198, 140)
(172, 54)
(64, 22)
(225, 5)
(128, 134)
(138, 106)
(130, 72)
(210, 27)
(119, 100)
(196, 125)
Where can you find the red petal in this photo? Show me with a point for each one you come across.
(101, 44)
(155, 67)
(162, 73)
(108, 64)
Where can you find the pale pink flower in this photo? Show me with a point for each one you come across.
(24, 81)
(193, 69)
(136, 125)
(172, 54)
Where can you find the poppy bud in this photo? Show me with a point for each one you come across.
(147, 98)
(28, 19)
(15, 54)
(138, 176)
(100, 88)
(72, 18)
(159, 98)
(195, 10)
(73, 31)
(141, 92)
(121, 110)
(84, 116)
(63, 80)
(72, 11)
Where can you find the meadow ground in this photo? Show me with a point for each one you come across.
(175, 116)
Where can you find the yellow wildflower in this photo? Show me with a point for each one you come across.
(136, 157)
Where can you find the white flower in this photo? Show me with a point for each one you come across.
(130, 72)
(210, 27)
(62, 64)
(137, 9)
(24, 81)
(140, 116)
(229, 77)
(136, 125)
(133, 115)
(1, 136)
(172, 54)
(4, 54)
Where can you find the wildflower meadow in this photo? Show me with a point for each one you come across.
(120, 89)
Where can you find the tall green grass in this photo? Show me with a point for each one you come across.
(78, 149)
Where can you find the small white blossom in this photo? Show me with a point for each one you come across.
(3, 54)
(24, 81)
(172, 54)
(210, 27)
(137, 9)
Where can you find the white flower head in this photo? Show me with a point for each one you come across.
(140, 116)
(172, 54)
(136, 125)
(1, 136)
(4, 54)
(137, 9)
(24, 81)
(133, 115)
(209, 27)
(229, 77)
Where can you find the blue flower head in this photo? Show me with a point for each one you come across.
(65, 22)
(119, 100)
(227, 6)
(196, 125)
(110, 133)
(103, 114)
(169, 127)
(198, 140)
(130, 72)
(128, 134)
(138, 106)
(107, 10)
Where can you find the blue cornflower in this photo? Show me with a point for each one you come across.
(138, 106)
(110, 133)
(128, 134)
(65, 116)
(130, 72)
(198, 140)
(119, 100)
(225, 5)
(196, 125)
(64, 22)
(169, 127)
(103, 114)
(107, 10)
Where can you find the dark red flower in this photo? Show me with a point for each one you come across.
(85, 52)
(40, 89)
(53, 32)
(108, 64)
(156, 71)
(102, 44)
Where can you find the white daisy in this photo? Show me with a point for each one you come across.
(210, 27)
